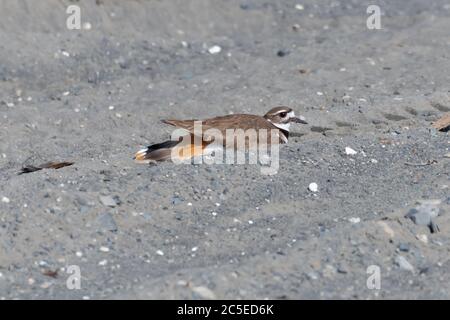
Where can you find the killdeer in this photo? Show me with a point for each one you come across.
(277, 119)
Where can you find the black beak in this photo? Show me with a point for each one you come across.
(299, 120)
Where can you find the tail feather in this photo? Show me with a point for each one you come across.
(156, 152)
(164, 151)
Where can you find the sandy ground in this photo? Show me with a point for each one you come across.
(95, 96)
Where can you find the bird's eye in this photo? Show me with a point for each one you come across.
(283, 114)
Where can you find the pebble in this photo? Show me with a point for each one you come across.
(204, 293)
(355, 220)
(5, 200)
(103, 263)
(214, 49)
(423, 213)
(313, 187)
(108, 201)
(106, 222)
(349, 151)
(159, 253)
(282, 53)
(176, 200)
(299, 7)
(422, 237)
(104, 249)
(421, 218)
(403, 263)
(447, 155)
(403, 247)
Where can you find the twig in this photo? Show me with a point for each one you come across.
(423, 164)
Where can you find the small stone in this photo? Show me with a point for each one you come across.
(204, 293)
(403, 263)
(375, 161)
(447, 155)
(106, 222)
(299, 7)
(355, 220)
(282, 53)
(176, 200)
(159, 252)
(422, 237)
(313, 187)
(108, 201)
(312, 275)
(79, 254)
(403, 247)
(214, 49)
(103, 263)
(420, 218)
(5, 200)
(104, 249)
(349, 151)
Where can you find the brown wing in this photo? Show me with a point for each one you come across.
(232, 121)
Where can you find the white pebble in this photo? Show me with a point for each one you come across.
(349, 151)
(159, 253)
(422, 237)
(194, 249)
(313, 187)
(299, 7)
(355, 220)
(214, 50)
(79, 254)
(5, 200)
(104, 249)
(103, 263)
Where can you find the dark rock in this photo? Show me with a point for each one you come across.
(282, 53)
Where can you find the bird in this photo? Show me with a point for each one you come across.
(193, 142)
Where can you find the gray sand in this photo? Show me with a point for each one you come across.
(223, 231)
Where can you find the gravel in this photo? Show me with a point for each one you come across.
(379, 93)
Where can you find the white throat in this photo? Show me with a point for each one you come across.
(282, 126)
